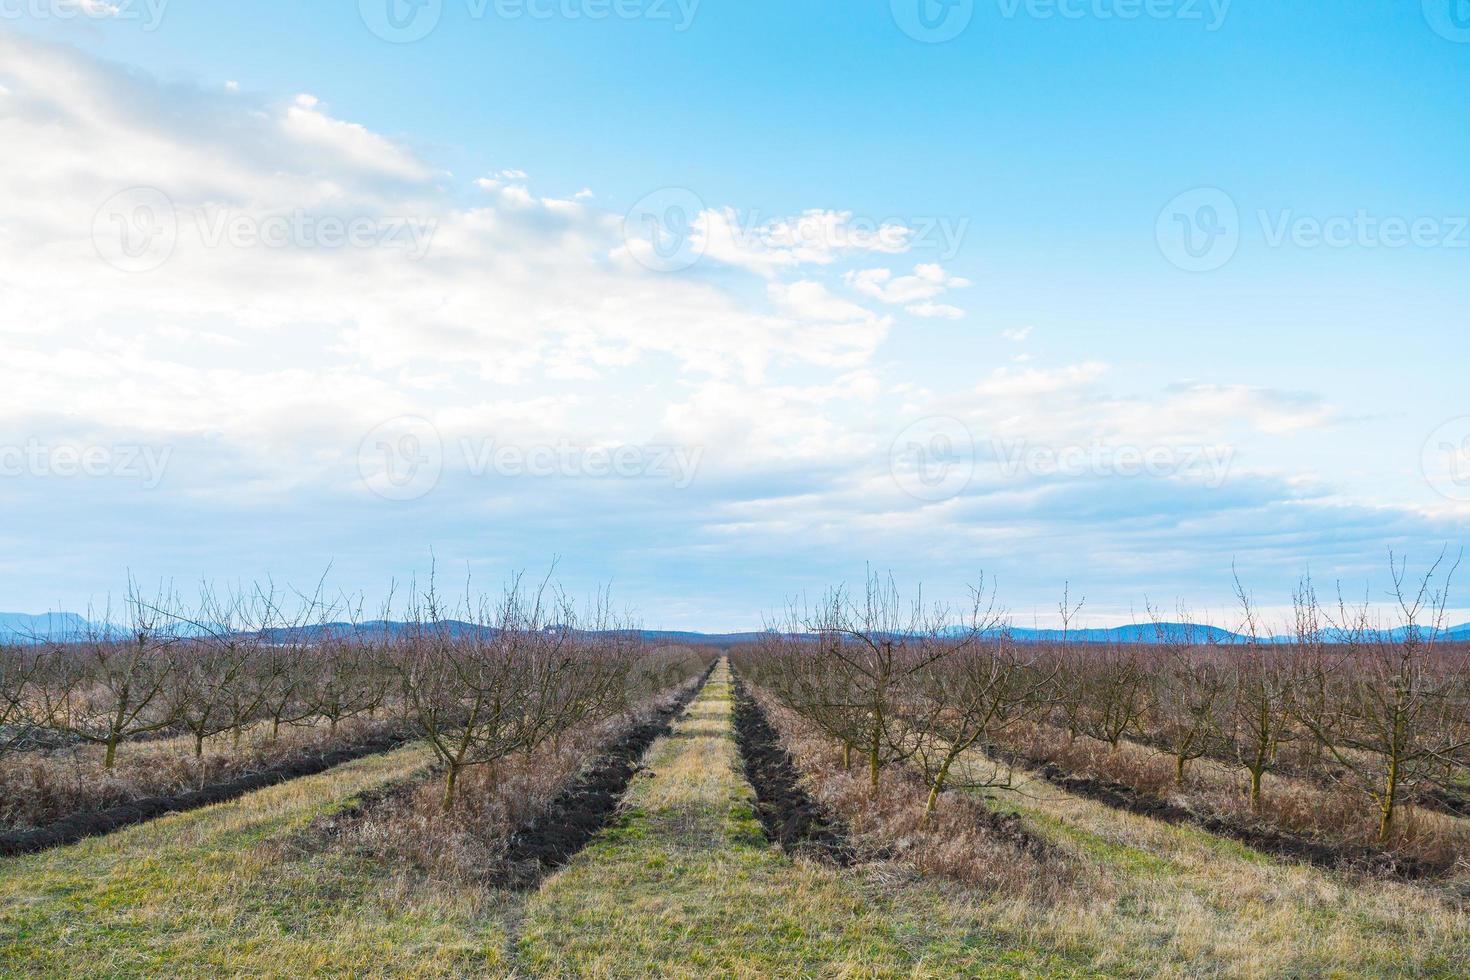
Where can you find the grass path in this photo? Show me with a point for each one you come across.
(685, 885)
(203, 894)
(1178, 900)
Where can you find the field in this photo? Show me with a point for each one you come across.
(683, 879)
(874, 789)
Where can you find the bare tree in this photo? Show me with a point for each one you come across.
(215, 685)
(980, 689)
(17, 666)
(108, 688)
(1389, 714)
(1262, 705)
(1114, 693)
(1071, 676)
(870, 652)
(502, 683)
(1188, 692)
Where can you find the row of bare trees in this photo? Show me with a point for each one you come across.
(1383, 712)
(231, 662)
(902, 682)
(478, 679)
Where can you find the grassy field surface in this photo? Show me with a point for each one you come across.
(1181, 901)
(685, 885)
(204, 894)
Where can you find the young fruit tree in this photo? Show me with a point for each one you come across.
(980, 689)
(1390, 703)
(108, 688)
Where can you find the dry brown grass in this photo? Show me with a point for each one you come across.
(963, 840)
(1330, 813)
(41, 786)
(467, 843)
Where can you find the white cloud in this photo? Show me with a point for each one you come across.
(812, 238)
(1008, 383)
(1019, 335)
(927, 282)
(812, 300)
(91, 8)
(941, 311)
(350, 142)
(519, 293)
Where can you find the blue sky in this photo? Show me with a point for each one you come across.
(1040, 164)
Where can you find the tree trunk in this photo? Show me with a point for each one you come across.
(873, 764)
(450, 779)
(110, 760)
(935, 789)
(1388, 802)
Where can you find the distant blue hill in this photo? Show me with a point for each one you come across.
(47, 627)
(1184, 633)
(22, 628)
(1146, 633)
(458, 628)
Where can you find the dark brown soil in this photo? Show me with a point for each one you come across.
(589, 804)
(791, 818)
(70, 829)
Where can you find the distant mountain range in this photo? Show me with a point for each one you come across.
(22, 628)
(1150, 633)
